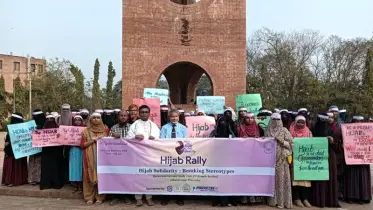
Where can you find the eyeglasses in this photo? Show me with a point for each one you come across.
(144, 112)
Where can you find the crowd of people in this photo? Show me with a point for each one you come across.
(56, 166)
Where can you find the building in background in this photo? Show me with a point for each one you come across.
(12, 66)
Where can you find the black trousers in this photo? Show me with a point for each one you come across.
(301, 193)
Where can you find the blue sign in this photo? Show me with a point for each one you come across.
(211, 104)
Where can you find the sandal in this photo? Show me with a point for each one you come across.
(98, 203)
(89, 203)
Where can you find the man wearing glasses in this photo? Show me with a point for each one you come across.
(144, 129)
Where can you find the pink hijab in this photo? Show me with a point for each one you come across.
(299, 132)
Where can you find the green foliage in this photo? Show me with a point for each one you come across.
(117, 95)
(20, 97)
(109, 86)
(96, 103)
(79, 85)
(5, 106)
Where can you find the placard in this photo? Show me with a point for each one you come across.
(211, 104)
(253, 102)
(358, 143)
(162, 94)
(70, 135)
(21, 139)
(200, 126)
(45, 137)
(310, 159)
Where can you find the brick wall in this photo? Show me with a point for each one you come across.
(8, 72)
(154, 38)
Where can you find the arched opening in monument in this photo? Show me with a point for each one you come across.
(185, 2)
(185, 81)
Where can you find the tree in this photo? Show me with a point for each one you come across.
(79, 85)
(20, 96)
(96, 86)
(117, 95)
(203, 87)
(5, 107)
(109, 86)
(368, 82)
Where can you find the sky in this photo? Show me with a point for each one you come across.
(83, 30)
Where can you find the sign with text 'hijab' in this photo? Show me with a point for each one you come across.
(358, 143)
(162, 94)
(311, 159)
(21, 139)
(211, 104)
(155, 108)
(253, 102)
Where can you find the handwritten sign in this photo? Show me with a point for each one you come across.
(45, 137)
(358, 143)
(21, 139)
(70, 135)
(211, 104)
(311, 159)
(162, 94)
(253, 102)
(200, 126)
(262, 121)
(155, 108)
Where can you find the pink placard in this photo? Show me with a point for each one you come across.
(155, 108)
(45, 138)
(200, 126)
(358, 143)
(70, 135)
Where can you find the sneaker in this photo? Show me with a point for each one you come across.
(150, 202)
(139, 203)
(307, 204)
(298, 203)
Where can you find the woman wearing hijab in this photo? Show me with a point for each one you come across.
(108, 118)
(242, 110)
(225, 128)
(76, 160)
(164, 115)
(67, 120)
(182, 116)
(282, 193)
(14, 170)
(286, 118)
(133, 109)
(301, 189)
(52, 162)
(248, 128)
(325, 193)
(93, 133)
(34, 163)
(357, 179)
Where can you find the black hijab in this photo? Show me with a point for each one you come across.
(182, 118)
(39, 118)
(108, 119)
(14, 119)
(164, 115)
(226, 126)
(50, 123)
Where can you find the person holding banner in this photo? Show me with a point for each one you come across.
(325, 193)
(248, 128)
(357, 179)
(120, 130)
(144, 129)
(53, 167)
(171, 130)
(282, 193)
(34, 165)
(76, 160)
(14, 170)
(301, 189)
(95, 130)
(225, 128)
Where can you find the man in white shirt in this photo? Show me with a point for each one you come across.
(142, 129)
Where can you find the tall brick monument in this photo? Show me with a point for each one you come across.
(184, 40)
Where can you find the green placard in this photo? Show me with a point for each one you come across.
(253, 102)
(310, 159)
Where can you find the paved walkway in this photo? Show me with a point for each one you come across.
(10, 202)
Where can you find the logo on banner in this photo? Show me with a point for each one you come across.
(268, 147)
(186, 188)
(184, 147)
(169, 188)
(205, 189)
